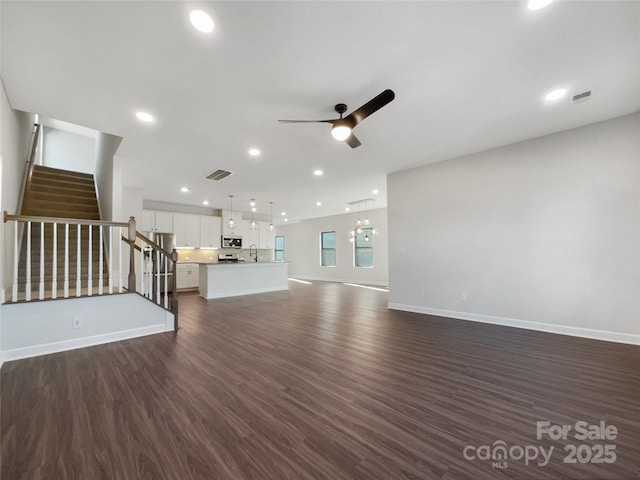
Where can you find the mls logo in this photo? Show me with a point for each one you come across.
(502, 464)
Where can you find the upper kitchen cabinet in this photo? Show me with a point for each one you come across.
(249, 237)
(237, 230)
(210, 232)
(186, 230)
(161, 222)
(267, 238)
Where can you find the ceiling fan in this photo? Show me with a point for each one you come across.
(342, 127)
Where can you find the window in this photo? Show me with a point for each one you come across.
(328, 249)
(363, 248)
(279, 253)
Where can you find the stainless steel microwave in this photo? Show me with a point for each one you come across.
(231, 241)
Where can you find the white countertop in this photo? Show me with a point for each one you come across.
(227, 264)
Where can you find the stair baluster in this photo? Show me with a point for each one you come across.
(166, 283)
(66, 260)
(28, 283)
(16, 255)
(54, 263)
(41, 284)
(89, 262)
(79, 264)
(100, 263)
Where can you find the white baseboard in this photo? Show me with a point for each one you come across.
(44, 349)
(341, 280)
(526, 324)
(238, 293)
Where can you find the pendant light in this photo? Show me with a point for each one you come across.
(366, 222)
(271, 228)
(231, 222)
(253, 225)
(363, 226)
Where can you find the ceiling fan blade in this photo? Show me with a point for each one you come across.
(372, 106)
(308, 121)
(352, 141)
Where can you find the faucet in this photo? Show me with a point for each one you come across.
(253, 247)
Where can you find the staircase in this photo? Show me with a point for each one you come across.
(60, 194)
(62, 250)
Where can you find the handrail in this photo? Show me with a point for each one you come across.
(30, 166)
(75, 221)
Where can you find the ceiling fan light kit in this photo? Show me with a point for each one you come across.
(340, 132)
(342, 127)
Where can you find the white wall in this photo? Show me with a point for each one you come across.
(15, 136)
(542, 234)
(68, 151)
(131, 206)
(15, 145)
(108, 178)
(302, 249)
(38, 328)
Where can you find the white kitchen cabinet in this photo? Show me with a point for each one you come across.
(249, 237)
(186, 230)
(210, 232)
(161, 222)
(187, 276)
(267, 238)
(237, 217)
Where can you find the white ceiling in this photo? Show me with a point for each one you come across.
(468, 76)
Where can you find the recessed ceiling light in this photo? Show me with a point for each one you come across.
(144, 117)
(286, 219)
(375, 191)
(201, 21)
(252, 203)
(253, 209)
(184, 189)
(555, 94)
(254, 152)
(319, 204)
(204, 202)
(348, 209)
(538, 4)
(283, 213)
(317, 173)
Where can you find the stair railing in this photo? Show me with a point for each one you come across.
(57, 256)
(30, 164)
(156, 272)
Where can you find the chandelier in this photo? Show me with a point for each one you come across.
(363, 229)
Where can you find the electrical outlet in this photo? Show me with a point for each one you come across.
(77, 322)
(463, 297)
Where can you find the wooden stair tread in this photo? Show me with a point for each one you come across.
(42, 212)
(41, 183)
(63, 198)
(62, 206)
(61, 190)
(60, 171)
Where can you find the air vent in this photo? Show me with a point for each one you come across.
(217, 175)
(582, 96)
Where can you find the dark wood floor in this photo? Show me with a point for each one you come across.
(321, 382)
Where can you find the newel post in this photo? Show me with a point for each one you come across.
(131, 237)
(174, 295)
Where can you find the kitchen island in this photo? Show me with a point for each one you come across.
(218, 280)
